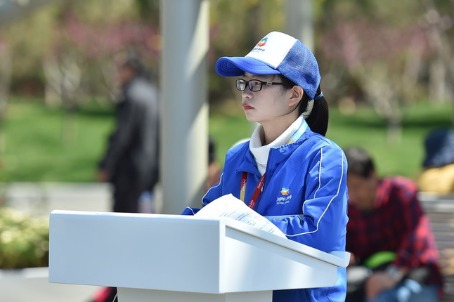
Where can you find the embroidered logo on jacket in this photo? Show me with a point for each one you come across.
(285, 196)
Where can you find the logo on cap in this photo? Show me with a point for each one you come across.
(262, 42)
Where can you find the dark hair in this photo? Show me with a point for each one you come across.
(359, 161)
(319, 116)
(132, 61)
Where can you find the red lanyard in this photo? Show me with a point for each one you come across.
(258, 189)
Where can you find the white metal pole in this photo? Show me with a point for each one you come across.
(299, 21)
(184, 107)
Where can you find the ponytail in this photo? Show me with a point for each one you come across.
(315, 111)
(319, 116)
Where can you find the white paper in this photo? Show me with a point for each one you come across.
(231, 207)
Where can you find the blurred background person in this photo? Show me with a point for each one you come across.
(131, 159)
(437, 175)
(389, 237)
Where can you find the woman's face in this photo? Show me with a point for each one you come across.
(268, 104)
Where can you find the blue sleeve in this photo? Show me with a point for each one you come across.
(213, 193)
(228, 184)
(322, 223)
(190, 211)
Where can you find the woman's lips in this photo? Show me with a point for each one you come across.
(247, 107)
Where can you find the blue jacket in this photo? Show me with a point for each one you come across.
(305, 195)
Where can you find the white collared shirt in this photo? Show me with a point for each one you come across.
(261, 152)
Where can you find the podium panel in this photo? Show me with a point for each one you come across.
(163, 257)
(278, 267)
(145, 295)
(136, 251)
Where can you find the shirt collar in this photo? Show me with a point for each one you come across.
(261, 152)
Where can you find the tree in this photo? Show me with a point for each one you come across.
(383, 52)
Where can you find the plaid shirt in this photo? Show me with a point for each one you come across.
(397, 223)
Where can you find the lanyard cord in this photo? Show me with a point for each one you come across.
(259, 188)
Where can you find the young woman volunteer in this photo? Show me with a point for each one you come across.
(288, 171)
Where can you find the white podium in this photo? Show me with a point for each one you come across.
(168, 258)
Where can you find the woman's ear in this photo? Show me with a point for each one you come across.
(296, 95)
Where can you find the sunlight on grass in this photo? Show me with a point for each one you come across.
(364, 128)
(47, 144)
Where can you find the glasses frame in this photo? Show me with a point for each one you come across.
(240, 82)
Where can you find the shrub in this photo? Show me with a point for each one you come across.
(24, 240)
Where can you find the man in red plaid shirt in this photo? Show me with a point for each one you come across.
(389, 237)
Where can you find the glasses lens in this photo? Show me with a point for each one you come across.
(255, 85)
(240, 85)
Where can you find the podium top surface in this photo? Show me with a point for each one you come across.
(206, 255)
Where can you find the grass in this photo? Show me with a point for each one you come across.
(39, 144)
(363, 128)
(47, 144)
(400, 157)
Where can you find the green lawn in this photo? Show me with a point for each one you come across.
(43, 144)
(402, 157)
(364, 129)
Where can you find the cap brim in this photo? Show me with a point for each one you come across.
(237, 66)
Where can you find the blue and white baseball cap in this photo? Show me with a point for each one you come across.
(276, 53)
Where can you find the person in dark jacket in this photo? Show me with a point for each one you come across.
(131, 160)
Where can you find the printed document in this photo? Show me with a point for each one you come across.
(232, 207)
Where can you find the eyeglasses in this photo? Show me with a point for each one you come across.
(254, 85)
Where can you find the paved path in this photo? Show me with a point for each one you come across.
(43, 198)
(32, 285)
